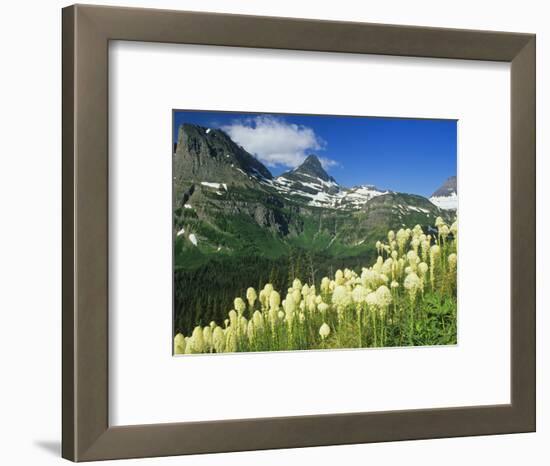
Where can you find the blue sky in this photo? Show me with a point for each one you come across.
(407, 155)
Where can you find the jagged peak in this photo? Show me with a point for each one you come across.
(447, 188)
(311, 167)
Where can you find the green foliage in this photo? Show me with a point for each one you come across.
(406, 298)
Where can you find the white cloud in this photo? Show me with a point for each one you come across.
(328, 163)
(276, 142)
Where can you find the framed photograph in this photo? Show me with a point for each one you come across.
(261, 236)
(272, 253)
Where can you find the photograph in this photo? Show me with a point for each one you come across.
(303, 232)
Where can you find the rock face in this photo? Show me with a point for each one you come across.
(446, 196)
(209, 155)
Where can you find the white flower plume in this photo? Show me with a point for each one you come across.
(275, 142)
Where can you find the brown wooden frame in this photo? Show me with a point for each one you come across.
(86, 431)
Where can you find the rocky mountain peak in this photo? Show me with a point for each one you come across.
(312, 166)
(447, 188)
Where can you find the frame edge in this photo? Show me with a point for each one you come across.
(68, 442)
(86, 434)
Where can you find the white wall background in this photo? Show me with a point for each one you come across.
(30, 232)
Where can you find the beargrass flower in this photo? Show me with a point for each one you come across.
(452, 262)
(341, 297)
(251, 296)
(417, 230)
(412, 283)
(179, 344)
(454, 228)
(296, 296)
(263, 298)
(378, 266)
(402, 238)
(189, 346)
(239, 305)
(311, 303)
(411, 257)
(198, 340)
(297, 284)
(425, 248)
(323, 307)
(372, 299)
(218, 340)
(387, 266)
(243, 322)
(230, 340)
(383, 295)
(325, 285)
(423, 268)
(435, 251)
(324, 331)
(339, 277)
(359, 294)
(274, 300)
(391, 236)
(444, 232)
(258, 319)
(289, 305)
(207, 337)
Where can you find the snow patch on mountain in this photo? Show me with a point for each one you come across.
(445, 197)
(449, 202)
(214, 185)
(324, 193)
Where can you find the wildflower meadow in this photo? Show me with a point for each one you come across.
(406, 298)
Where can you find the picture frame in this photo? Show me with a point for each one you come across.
(86, 433)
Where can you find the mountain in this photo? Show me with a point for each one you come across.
(226, 200)
(235, 224)
(445, 197)
(311, 168)
(314, 186)
(309, 183)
